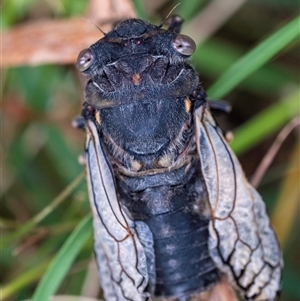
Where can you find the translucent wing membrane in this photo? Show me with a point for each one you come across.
(242, 242)
(120, 256)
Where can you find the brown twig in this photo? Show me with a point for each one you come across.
(268, 158)
(59, 41)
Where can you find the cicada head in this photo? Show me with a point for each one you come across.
(135, 38)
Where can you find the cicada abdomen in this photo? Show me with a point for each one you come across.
(173, 212)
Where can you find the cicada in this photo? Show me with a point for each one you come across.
(173, 212)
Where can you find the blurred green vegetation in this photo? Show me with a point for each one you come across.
(40, 148)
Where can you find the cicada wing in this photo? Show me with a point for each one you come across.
(120, 256)
(242, 243)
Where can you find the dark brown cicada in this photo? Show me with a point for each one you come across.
(173, 211)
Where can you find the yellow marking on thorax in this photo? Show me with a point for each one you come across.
(136, 165)
(164, 161)
(97, 116)
(188, 105)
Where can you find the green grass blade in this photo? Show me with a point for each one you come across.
(41, 215)
(255, 59)
(23, 280)
(212, 62)
(265, 123)
(63, 260)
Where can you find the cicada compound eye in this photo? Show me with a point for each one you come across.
(84, 60)
(184, 44)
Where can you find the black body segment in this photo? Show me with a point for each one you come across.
(173, 212)
(180, 229)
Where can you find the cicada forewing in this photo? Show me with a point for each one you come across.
(120, 256)
(242, 243)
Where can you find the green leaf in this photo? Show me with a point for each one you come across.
(22, 280)
(265, 123)
(27, 227)
(211, 62)
(255, 59)
(64, 156)
(61, 263)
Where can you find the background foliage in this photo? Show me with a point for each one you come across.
(43, 190)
